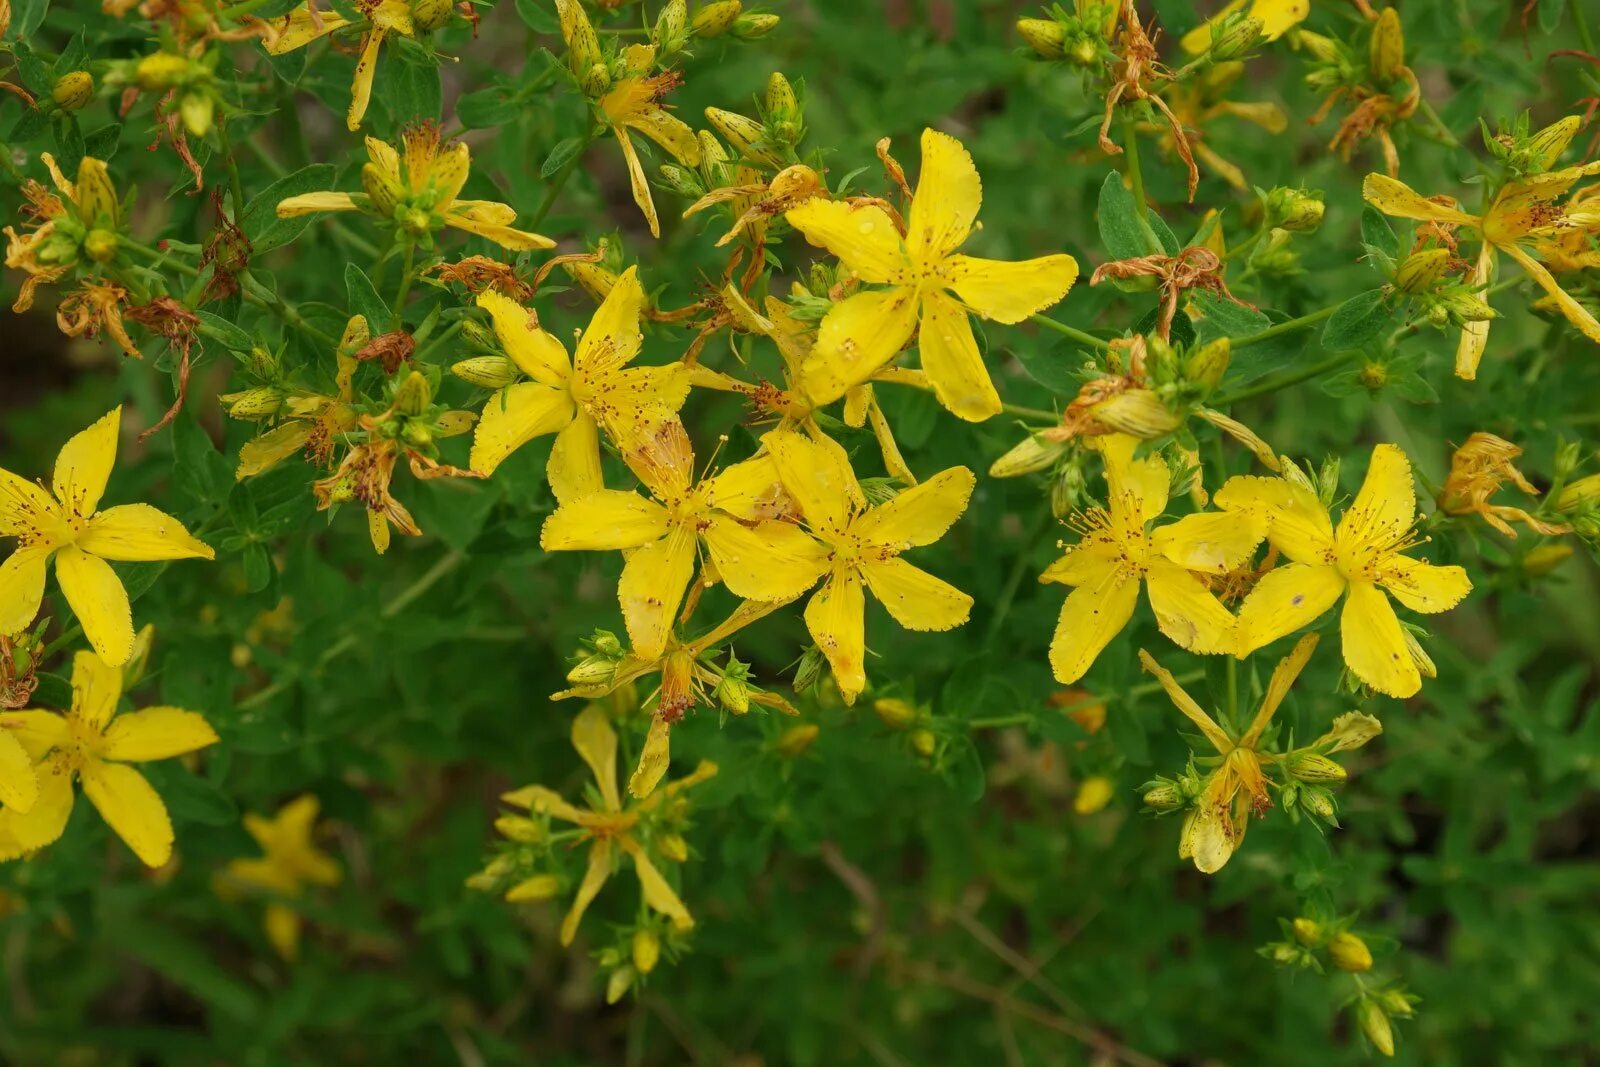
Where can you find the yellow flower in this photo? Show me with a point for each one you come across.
(310, 21)
(732, 513)
(574, 398)
(1523, 214)
(415, 188)
(95, 745)
(921, 267)
(66, 523)
(1214, 829)
(291, 861)
(63, 234)
(610, 828)
(1360, 559)
(1116, 552)
(863, 545)
(1477, 470)
(1277, 18)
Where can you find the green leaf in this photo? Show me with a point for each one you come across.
(562, 154)
(415, 93)
(260, 221)
(187, 964)
(1054, 369)
(364, 299)
(540, 16)
(494, 106)
(1357, 321)
(1121, 233)
(225, 333)
(1376, 231)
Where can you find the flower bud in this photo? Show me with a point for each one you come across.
(73, 90)
(810, 670)
(487, 879)
(1318, 801)
(715, 19)
(583, 45)
(1575, 496)
(520, 828)
(923, 742)
(413, 396)
(100, 245)
(1396, 1002)
(1138, 412)
(1370, 1014)
(429, 15)
(1164, 797)
(1545, 147)
(1295, 210)
(1032, 454)
(253, 404)
(782, 103)
(1046, 37)
(198, 110)
(1419, 271)
(895, 713)
(595, 279)
(1308, 931)
(646, 950)
(794, 741)
(1311, 767)
(1234, 36)
(382, 188)
(160, 71)
(490, 372)
(1545, 558)
(1321, 48)
(1386, 52)
(745, 135)
(1207, 364)
(671, 27)
(618, 984)
(539, 887)
(672, 847)
(595, 80)
(1348, 952)
(686, 183)
(754, 26)
(1350, 730)
(1094, 794)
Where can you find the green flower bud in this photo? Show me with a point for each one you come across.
(895, 713)
(100, 245)
(413, 397)
(479, 336)
(1295, 210)
(1372, 1018)
(73, 90)
(197, 109)
(490, 372)
(1311, 767)
(161, 71)
(1234, 36)
(682, 181)
(429, 15)
(618, 984)
(253, 404)
(1046, 37)
(715, 19)
(1386, 52)
(1579, 495)
(744, 134)
(754, 26)
(382, 188)
(1030, 455)
(1318, 801)
(1308, 931)
(1419, 271)
(1164, 797)
(1207, 364)
(924, 743)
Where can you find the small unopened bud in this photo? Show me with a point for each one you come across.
(895, 713)
(1321, 48)
(1373, 1019)
(100, 245)
(1419, 655)
(1207, 364)
(1235, 35)
(1030, 455)
(1308, 931)
(1318, 801)
(595, 80)
(1046, 37)
(1545, 558)
(198, 110)
(1579, 495)
(1386, 53)
(671, 26)
(1419, 271)
(1312, 767)
(488, 879)
(1295, 210)
(490, 372)
(539, 887)
(672, 847)
(1164, 797)
(744, 134)
(1397, 1002)
(646, 950)
(1138, 412)
(754, 26)
(923, 742)
(73, 90)
(1349, 953)
(782, 103)
(618, 984)
(253, 404)
(794, 741)
(382, 188)
(681, 180)
(1094, 794)
(160, 71)
(583, 45)
(413, 396)
(429, 15)
(715, 19)
(520, 828)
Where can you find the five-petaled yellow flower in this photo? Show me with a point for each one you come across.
(415, 188)
(922, 268)
(311, 21)
(1524, 212)
(610, 828)
(1214, 829)
(291, 861)
(574, 398)
(1117, 552)
(66, 523)
(732, 513)
(95, 745)
(863, 545)
(1360, 559)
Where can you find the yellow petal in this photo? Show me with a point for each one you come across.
(1268, 116)
(139, 532)
(657, 893)
(1214, 542)
(952, 361)
(84, 465)
(862, 237)
(1386, 505)
(512, 417)
(1009, 292)
(1137, 489)
(613, 336)
(311, 203)
(1084, 563)
(772, 561)
(1093, 614)
(41, 825)
(654, 759)
(653, 581)
(38, 731)
(537, 352)
(1187, 612)
(668, 131)
(99, 601)
(945, 205)
(267, 450)
(751, 490)
(1278, 686)
(1299, 526)
(637, 181)
(593, 879)
(1575, 312)
(913, 597)
(156, 733)
(1394, 197)
(858, 336)
(608, 519)
(474, 216)
(1422, 586)
(1212, 837)
(574, 465)
(24, 506)
(1475, 335)
(1284, 600)
(282, 925)
(1186, 704)
(819, 479)
(596, 743)
(836, 617)
(1374, 644)
(919, 515)
(300, 27)
(19, 785)
(96, 688)
(361, 84)
(21, 588)
(1279, 16)
(130, 807)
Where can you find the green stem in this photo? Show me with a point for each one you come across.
(1130, 147)
(1285, 327)
(1313, 371)
(1246, 245)
(1438, 123)
(1037, 414)
(408, 274)
(1585, 37)
(558, 181)
(1072, 332)
(235, 186)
